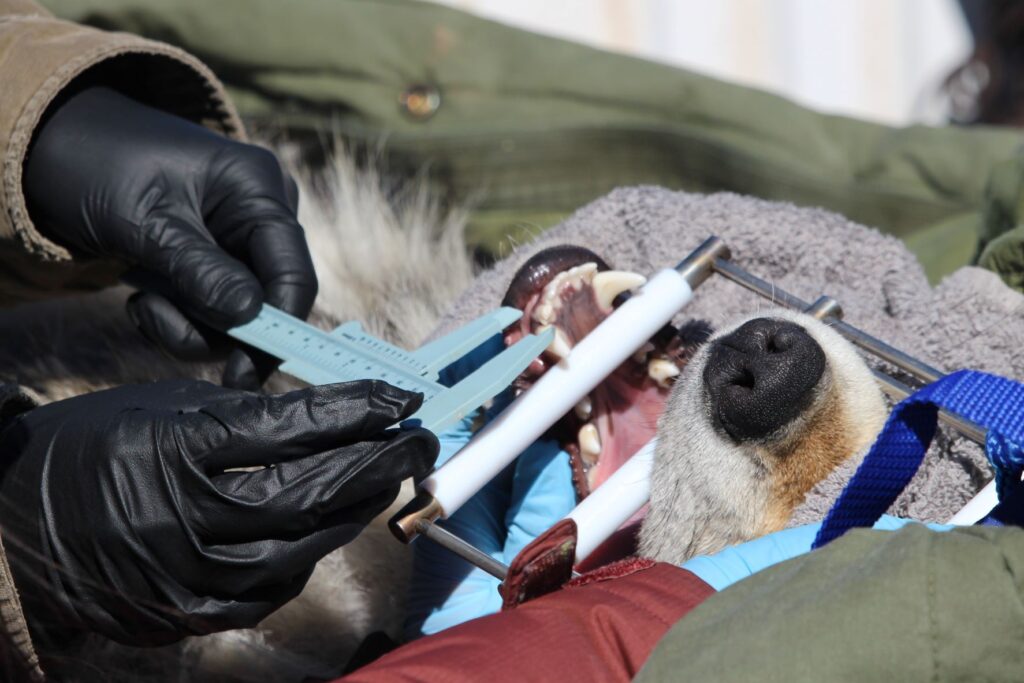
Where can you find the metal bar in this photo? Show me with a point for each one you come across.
(450, 541)
(821, 309)
(906, 362)
(899, 391)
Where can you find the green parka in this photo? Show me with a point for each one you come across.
(912, 606)
(527, 128)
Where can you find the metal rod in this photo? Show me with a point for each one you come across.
(826, 307)
(450, 541)
(903, 361)
(899, 391)
(423, 507)
(699, 264)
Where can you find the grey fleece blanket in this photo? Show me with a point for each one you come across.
(971, 320)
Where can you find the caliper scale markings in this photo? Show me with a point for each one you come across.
(349, 353)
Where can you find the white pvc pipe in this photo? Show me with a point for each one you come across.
(594, 358)
(977, 507)
(612, 504)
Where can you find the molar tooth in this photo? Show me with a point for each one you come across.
(662, 371)
(560, 346)
(584, 408)
(551, 290)
(581, 274)
(641, 354)
(611, 283)
(587, 271)
(590, 443)
(544, 313)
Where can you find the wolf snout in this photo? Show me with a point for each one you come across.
(761, 376)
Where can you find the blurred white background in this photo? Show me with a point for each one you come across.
(877, 59)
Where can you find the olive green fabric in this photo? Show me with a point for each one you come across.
(912, 605)
(528, 128)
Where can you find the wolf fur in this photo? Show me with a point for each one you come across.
(714, 492)
(398, 268)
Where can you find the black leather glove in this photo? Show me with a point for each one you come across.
(211, 222)
(123, 513)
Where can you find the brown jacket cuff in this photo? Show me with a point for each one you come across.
(39, 57)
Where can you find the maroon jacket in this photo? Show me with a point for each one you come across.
(600, 627)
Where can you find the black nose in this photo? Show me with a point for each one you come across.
(762, 376)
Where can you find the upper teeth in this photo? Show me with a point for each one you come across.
(611, 283)
(544, 313)
(576, 277)
(662, 371)
(559, 347)
(584, 408)
(590, 443)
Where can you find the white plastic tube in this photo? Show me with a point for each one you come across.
(558, 390)
(977, 507)
(612, 504)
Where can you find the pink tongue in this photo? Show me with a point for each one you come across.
(625, 422)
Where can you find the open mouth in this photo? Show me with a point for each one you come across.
(573, 290)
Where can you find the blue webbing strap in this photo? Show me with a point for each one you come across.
(993, 402)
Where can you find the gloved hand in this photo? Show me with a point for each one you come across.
(124, 512)
(737, 562)
(514, 508)
(209, 223)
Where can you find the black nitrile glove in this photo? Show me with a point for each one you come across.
(119, 515)
(210, 222)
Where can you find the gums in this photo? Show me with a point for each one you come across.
(574, 290)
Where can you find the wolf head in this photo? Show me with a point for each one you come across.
(759, 415)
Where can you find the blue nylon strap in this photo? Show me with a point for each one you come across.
(993, 402)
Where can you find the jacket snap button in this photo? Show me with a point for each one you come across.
(420, 101)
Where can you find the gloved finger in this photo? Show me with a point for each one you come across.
(256, 222)
(445, 589)
(207, 282)
(163, 324)
(248, 368)
(254, 429)
(542, 494)
(277, 253)
(265, 564)
(295, 497)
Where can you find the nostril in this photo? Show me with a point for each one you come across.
(761, 376)
(745, 379)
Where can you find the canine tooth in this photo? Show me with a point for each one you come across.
(544, 313)
(584, 408)
(662, 371)
(590, 443)
(559, 346)
(641, 354)
(611, 283)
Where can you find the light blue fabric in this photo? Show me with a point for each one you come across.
(737, 562)
(513, 509)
